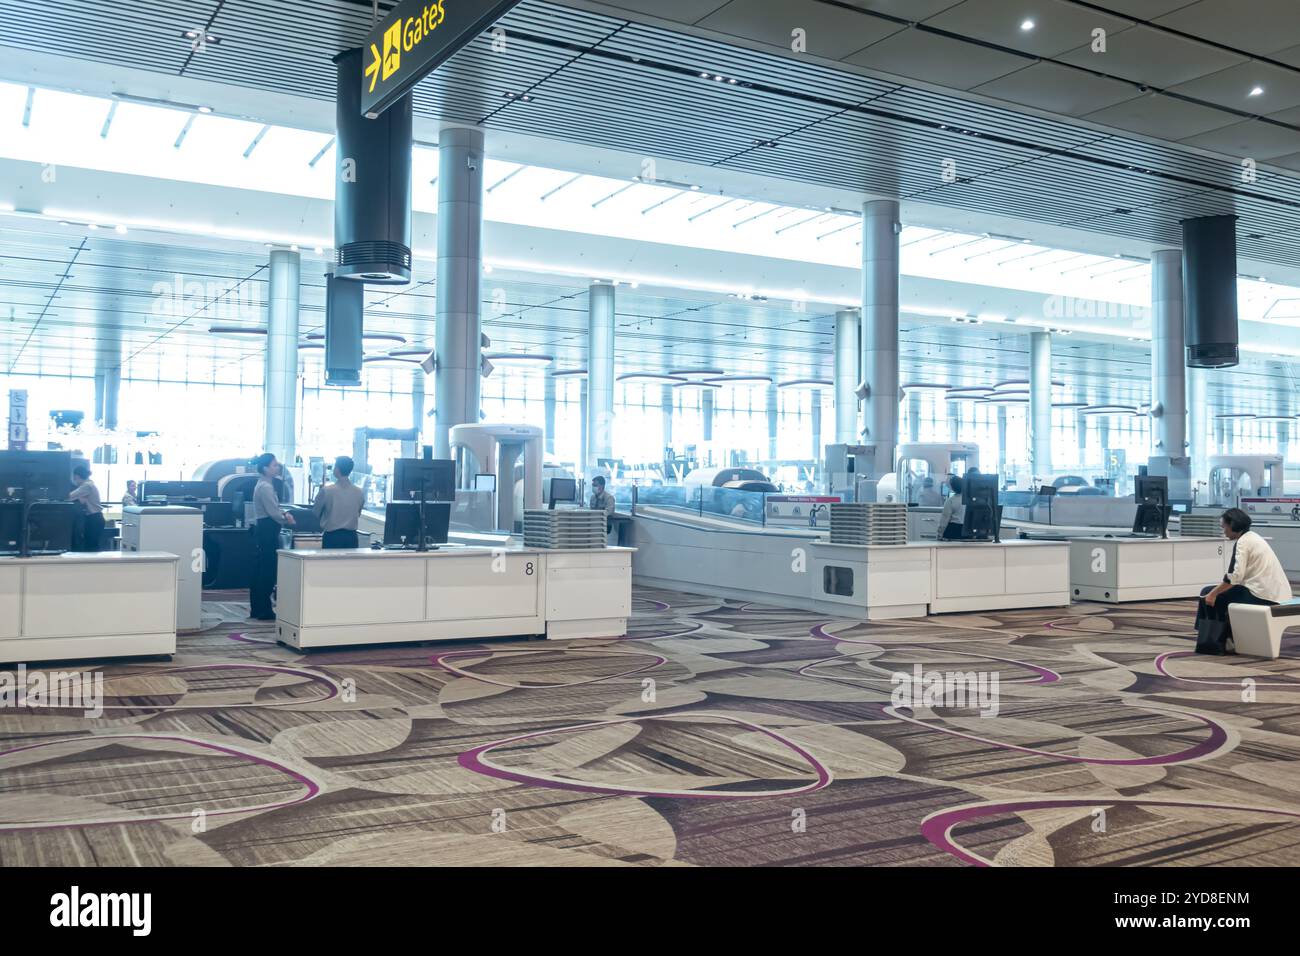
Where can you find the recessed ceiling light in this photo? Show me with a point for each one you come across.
(1027, 25)
(120, 230)
(1257, 91)
(205, 109)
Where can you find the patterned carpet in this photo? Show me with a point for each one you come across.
(713, 734)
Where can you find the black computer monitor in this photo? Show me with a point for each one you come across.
(979, 497)
(402, 523)
(437, 475)
(50, 526)
(218, 514)
(563, 489)
(11, 527)
(36, 475)
(1151, 494)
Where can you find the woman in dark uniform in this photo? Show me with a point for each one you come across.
(269, 518)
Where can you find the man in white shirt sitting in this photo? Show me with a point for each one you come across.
(1255, 576)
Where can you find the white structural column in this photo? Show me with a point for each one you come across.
(816, 424)
(548, 412)
(706, 414)
(417, 403)
(1198, 425)
(600, 375)
(582, 423)
(880, 229)
(1168, 385)
(666, 407)
(112, 389)
(773, 415)
(914, 415)
(460, 253)
(848, 354)
(1040, 406)
(1002, 439)
(282, 353)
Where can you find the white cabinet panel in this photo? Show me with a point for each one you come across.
(969, 570)
(481, 586)
(360, 591)
(71, 599)
(11, 583)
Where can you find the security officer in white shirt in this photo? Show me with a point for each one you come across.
(1255, 576)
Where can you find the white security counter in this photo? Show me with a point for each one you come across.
(337, 597)
(999, 576)
(942, 576)
(1114, 570)
(873, 582)
(70, 606)
(800, 569)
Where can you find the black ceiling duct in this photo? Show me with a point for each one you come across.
(1210, 291)
(372, 185)
(344, 314)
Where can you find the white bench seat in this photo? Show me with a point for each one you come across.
(1257, 628)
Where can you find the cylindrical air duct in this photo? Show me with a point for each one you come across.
(372, 188)
(344, 317)
(1210, 291)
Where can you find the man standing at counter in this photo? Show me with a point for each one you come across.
(269, 518)
(338, 507)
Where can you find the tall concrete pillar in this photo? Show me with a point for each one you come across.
(666, 406)
(1198, 424)
(1040, 406)
(848, 348)
(582, 425)
(1103, 436)
(548, 412)
(1002, 439)
(600, 374)
(460, 252)
(1168, 387)
(417, 404)
(914, 416)
(816, 426)
(1081, 433)
(954, 421)
(880, 229)
(99, 397)
(706, 414)
(773, 419)
(282, 353)
(112, 390)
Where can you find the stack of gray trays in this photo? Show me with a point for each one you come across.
(1200, 526)
(573, 528)
(868, 522)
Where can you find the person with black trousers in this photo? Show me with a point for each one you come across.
(92, 524)
(338, 507)
(269, 518)
(1255, 576)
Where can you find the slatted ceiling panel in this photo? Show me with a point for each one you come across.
(132, 33)
(723, 122)
(696, 55)
(286, 46)
(1031, 132)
